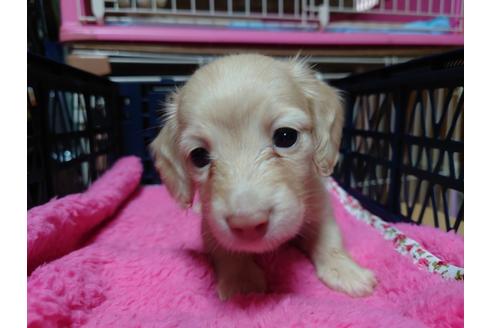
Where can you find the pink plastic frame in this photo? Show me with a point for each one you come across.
(72, 29)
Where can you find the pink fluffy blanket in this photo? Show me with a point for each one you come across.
(143, 266)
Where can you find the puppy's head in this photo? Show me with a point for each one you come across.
(249, 133)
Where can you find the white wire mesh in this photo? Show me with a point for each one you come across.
(366, 14)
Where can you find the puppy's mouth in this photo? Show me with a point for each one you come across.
(254, 245)
(261, 239)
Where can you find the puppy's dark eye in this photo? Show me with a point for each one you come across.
(284, 137)
(200, 157)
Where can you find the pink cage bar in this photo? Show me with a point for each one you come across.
(74, 28)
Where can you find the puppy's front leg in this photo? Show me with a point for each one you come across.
(236, 273)
(323, 244)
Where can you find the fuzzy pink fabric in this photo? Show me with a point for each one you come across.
(58, 227)
(146, 268)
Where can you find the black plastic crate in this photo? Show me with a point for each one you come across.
(73, 130)
(402, 152)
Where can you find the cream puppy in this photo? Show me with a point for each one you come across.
(253, 136)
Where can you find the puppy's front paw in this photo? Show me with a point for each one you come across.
(341, 273)
(249, 280)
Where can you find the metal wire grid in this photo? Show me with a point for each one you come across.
(288, 13)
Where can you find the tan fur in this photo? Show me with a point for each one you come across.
(232, 107)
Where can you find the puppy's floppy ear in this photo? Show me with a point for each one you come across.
(327, 112)
(168, 160)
